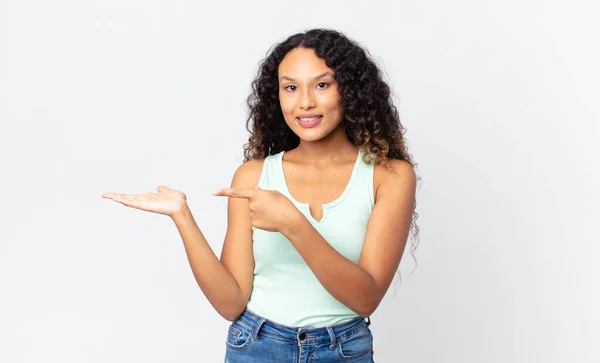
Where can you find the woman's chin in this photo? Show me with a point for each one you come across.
(312, 134)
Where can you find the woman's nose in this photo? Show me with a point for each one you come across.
(307, 100)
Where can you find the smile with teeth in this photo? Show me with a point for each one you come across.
(309, 120)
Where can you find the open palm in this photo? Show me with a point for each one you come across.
(167, 201)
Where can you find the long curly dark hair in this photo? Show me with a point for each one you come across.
(371, 120)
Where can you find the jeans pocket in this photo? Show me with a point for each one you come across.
(238, 336)
(357, 345)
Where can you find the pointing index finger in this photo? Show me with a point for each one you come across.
(234, 193)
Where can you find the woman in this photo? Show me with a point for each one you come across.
(318, 214)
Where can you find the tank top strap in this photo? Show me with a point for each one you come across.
(362, 186)
(269, 177)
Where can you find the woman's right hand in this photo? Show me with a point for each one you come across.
(167, 201)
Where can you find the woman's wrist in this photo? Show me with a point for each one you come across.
(292, 225)
(183, 213)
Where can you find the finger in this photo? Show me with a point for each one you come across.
(234, 193)
(162, 188)
(257, 187)
(125, 199)
(130, 200)
(112, 196)
(133, 201)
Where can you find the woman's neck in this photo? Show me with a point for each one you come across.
(332, 149)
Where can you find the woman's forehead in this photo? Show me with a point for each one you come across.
(303, 63)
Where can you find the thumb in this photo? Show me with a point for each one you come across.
(162, 188)
(257, 187)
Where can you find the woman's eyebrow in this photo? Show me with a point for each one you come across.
(317, 77)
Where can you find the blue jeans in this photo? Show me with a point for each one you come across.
(253, 339)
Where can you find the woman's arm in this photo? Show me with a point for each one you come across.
(361, 286)
(227, 282)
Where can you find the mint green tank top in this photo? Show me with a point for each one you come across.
(285, 289)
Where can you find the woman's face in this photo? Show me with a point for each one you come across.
(308, 95)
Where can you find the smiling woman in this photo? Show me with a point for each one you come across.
(319, 213)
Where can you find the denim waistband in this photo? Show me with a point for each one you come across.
(259, 325)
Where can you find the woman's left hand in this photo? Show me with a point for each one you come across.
(269, 209)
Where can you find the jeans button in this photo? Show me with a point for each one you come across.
(302, 336)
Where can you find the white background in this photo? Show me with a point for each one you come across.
(500, 100)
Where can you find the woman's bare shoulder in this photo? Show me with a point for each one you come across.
(248, 174)
(397, 172)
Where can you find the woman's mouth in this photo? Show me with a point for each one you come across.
(309, 120)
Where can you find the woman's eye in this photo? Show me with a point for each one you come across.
(322, 85)
(291, 88)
